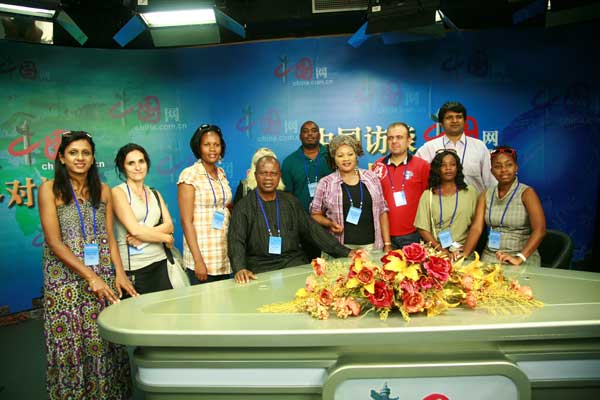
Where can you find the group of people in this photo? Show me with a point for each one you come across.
(318, 202)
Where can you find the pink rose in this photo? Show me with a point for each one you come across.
(527, 292)
(515, 285)
(353, 305)
(470, 300)
(346, 306)
(310, 283)
(318, 265)
(438, 267)
(414, 253)
(426, 282)
(326, 297)
(408, 287)
(383, 295)
(467, 282)
(413, 303)
(365, 276)
(362, 254)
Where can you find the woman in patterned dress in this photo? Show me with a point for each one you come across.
(79, 280)
(513, 213)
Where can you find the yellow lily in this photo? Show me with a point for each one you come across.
(402, 268)
(473, 268)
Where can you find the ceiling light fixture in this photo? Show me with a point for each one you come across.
(184, 26)
(159, 19)
(31, 11)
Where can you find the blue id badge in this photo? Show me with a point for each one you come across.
(400, 198)
(134, 250)
(218, 218)
(274, 245)
(445, 238)
(312, 187)
(91, 254)
(494, 239)
(353, 215)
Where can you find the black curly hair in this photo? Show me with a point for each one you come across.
(435, 178)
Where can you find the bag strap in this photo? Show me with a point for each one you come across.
(160, 221)
(128, 257)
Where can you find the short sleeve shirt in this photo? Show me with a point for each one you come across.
(210, 195)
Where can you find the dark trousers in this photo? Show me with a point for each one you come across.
(398, 242)
(211, 278)
(151, 278)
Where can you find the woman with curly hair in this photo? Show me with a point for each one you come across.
(447, 207)
(349, 202)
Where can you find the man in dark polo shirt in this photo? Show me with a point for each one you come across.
(403, 179)
(302, 170)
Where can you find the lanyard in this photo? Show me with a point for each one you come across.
(81, 217)
(505, 208)
(213, 190)
(455, 206)
(316, 169)
(262, 208)
(350, 197)
(145, 194)
(462, 160)
(403, 176)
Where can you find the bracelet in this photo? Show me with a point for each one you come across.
(387, 243)
(521, 256)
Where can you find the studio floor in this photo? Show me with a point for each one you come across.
(23, 361)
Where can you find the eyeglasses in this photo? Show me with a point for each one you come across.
(209, 127)
(440, 151)
(505, 150)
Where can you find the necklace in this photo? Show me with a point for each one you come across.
(140, 194)
(79, 192)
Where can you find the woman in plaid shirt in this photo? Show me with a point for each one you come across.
(203, 195)
(349, 202)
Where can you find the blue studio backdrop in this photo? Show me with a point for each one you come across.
(536, 90)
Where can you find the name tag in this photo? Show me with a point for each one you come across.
(445, 238)
(494, 239)
(312, 187)
(400, 198)
(91, 254)
(353, 215)
(134, 250)
(274, 245)
(218, 218)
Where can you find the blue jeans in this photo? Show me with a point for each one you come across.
(398, 242)
(211, 278)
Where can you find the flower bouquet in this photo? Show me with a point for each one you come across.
(413, 280)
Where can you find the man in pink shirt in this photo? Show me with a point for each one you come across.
(403, 179)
